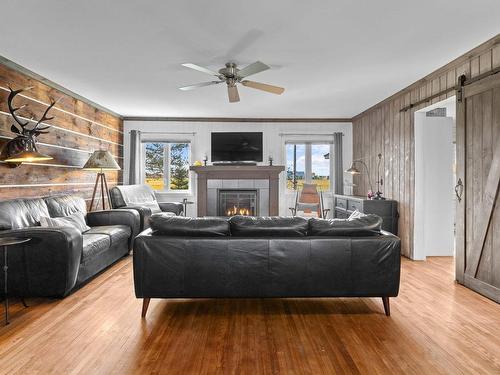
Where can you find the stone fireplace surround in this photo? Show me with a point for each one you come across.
(264, 179)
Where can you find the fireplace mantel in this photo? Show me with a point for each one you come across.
(238, 172)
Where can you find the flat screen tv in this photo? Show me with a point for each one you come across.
(237, 147)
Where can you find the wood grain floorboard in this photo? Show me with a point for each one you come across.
(436, 327)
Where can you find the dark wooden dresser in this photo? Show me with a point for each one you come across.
(387, 209)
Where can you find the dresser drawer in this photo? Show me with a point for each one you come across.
(341, 203)
(341, 214)
(353, 205)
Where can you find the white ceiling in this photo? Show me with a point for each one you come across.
(335, 58)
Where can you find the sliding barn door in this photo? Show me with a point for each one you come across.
(478, 176)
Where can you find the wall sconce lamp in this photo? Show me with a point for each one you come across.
(22, 148)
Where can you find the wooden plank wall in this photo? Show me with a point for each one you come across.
(77, 130)
(384, 129)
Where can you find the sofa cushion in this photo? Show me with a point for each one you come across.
(116, 233)
(94, 244)
(367, 225)
(76, 220)
(272, 226)
(134, 195)
(21, 213)
(65, 205)
(167, 225)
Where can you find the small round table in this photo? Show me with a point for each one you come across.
(185, 203)
(5, 242)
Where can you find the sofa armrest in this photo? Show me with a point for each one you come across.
(376, 265)
(120, 216)
(175, 207)
(144, 214)
(46, 266)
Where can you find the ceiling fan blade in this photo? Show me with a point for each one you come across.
(253, 68)
(232, 92)
(264, 87)
(201, 69)
(202, 84)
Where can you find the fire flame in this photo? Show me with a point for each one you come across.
(238, 211)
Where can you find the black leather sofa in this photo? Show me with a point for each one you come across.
(142, 198)
(265, 257)
(59, 259)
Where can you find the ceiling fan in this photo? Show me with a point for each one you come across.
(231, 75)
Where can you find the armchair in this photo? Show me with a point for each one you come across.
(142, 199)
(309, 201)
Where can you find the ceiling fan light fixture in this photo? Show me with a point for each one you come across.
(232, 76)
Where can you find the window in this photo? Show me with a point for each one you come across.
(295, 166)
(320, 166)
(309, 163)
(166, 165)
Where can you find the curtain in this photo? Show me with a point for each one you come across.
(339, 165)
(135, 157)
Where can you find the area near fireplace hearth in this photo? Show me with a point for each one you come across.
(212, 181)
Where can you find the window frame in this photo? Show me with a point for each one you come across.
(308, 160)
(166, 163)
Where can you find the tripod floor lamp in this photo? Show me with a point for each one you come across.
(101, 161)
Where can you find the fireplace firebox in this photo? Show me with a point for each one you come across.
(238, 202)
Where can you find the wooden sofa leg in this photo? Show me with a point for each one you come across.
(145, 305)
(387, 307)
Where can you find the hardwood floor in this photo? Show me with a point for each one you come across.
(435, 327)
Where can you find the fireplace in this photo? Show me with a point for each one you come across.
(237, 202)
(262, 179)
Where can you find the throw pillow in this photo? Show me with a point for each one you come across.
(355, 215)
(76, 220)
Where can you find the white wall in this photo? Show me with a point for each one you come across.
(434, 183)
(274, 137)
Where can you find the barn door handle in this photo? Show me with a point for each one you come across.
(459, 189)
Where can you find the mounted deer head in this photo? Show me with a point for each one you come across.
(26, 135)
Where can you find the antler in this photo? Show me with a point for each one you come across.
(26, 132)
(37, 130)
(44, 118)
(13, 110)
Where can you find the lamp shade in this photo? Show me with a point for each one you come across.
(28, 156)
(101, 161)
(353, 170)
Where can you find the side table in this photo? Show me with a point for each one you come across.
(5, 242)
(185, 203)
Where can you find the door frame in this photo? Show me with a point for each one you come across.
(419, 252)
